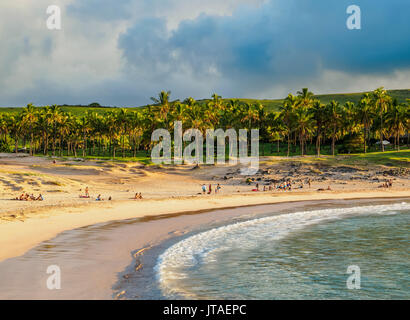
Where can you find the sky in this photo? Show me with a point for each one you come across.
(121, 53)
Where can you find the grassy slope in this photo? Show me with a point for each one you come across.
(270, 104)
(342, 98)
(394, 159)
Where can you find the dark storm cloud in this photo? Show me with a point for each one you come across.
(281, 40)
(123, 52)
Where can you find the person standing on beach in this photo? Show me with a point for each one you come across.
(210, 189)
(203, 188)
(309, 183)
(86, 192)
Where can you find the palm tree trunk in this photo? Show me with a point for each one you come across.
(16, 142)
(288, 144)
(84, 144)
(381, 132)
(123, 146)
(31, 145)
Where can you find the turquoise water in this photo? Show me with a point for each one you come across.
(302, 255)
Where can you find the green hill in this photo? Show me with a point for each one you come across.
(342, 98)
(270, 104)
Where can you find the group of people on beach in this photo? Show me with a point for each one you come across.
(284, 186)
(99, 198)
(387, 184)
(217, 189)
(138, 196)
(28, 197)
(86, 195)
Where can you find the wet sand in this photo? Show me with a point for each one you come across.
(115, 260)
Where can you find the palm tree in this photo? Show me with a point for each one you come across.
(364, 114)
(54, 116)
(136, 130)
(381, 101)
(287, 110)
(122, 124)
(29, 116)
(4, 127)
(304, 126)
(250, 114)
(163, 105)
(305, 98)
(396, 120)
(216, 102)
(85, 129)
(195, 117)
(334, 118)
(276, 128)
(15, 129)
(319, 115)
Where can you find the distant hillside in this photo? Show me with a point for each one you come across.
(270, 104)
(274, 104)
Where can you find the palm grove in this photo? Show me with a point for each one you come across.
(302, 125)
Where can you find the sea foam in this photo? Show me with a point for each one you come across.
(203, 248)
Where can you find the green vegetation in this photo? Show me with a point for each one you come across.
(388, 158)
(301, 124)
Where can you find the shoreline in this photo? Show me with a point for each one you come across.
(115, 260)
(45, 226)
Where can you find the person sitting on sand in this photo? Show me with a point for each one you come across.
(99, 198)
(328, 188)
(40, 197)
(218, 187)
(109, 198)
(140, 196)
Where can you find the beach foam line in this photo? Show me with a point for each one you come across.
(202, 248)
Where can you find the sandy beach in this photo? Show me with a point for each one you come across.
(99, 243)
(24, 224)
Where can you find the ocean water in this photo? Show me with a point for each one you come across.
(301, 255)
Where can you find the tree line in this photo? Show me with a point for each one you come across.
(301, 120)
